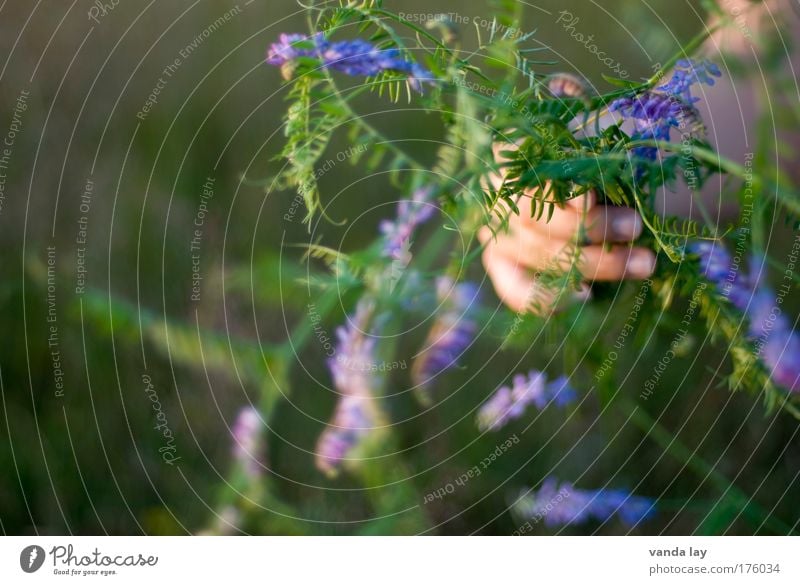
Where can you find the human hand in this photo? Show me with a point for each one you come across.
(532, 245)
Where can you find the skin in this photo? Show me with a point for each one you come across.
(513, 258)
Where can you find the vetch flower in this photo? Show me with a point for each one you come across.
(781, 354)
(355, 57)
(717, 267)
(764, 320)
(566, 505)
(688, 72)
(509, 403)
(450, 336)
(246, 432)
(655, 113)
(351, 422)
(292, 46)
(715, 262)
(354, 378)
(777, 344)
(411, 213)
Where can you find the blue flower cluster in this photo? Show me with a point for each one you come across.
(352, 368)
(450, 336)
(566, 505)
(687, 73)
(776, 343)
(354, 364)
(411, 213)
(356, 57)
(509, 403)
(655, 113)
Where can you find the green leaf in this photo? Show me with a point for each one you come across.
(624, 83)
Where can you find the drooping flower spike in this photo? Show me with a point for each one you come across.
(354, 378)
(355, 57)
(777, 344)
(781, 353)
(351, 422)
(292, 46)
(688, 72)
(715, 262)
(450, 336)
(655, 113)
(509, 403)
(566, 505)
(411, 213)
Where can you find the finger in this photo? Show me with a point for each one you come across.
(604, 223)
(599, 262)
(521, 245)
(521, 291)
(516, 287)
(616, 263)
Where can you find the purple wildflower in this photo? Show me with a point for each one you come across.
(509, 403)
(655, 113)
(355, 414)
(716, 266)
(452, 333)
(292, 46)
(652, 113)
(782, 355)
(351, 422)
(776, 343)
(687, 73)
(566, 505)
(763, 318)
(630, 509)
(715, 262)
(246, 440)
(410, 214)
(356, 57)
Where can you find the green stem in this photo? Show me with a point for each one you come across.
(376, 135)
(300, 334)
(685, 52)
(680, 452)
(789, 199)
(656, 235)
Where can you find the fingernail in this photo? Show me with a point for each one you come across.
(641, 265)
(627, 227)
